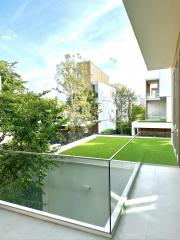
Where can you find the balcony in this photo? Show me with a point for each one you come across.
(152, 212)
(152, 89)
(154, 96)
(79, 192)
(82, 197)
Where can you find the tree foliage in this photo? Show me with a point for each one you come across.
(124, 99)
(11, 81)
(81, 107)
(127, 109)
(138, 112)
(28, 122)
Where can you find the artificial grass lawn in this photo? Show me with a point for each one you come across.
(149, 150)
(100, 147)
(154, 121)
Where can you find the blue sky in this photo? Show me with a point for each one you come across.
(37, 34)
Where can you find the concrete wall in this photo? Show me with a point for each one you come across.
(165, 82)
(150, 125)
(107, 115)
(176, 102)
(169, 109)
(156, 109)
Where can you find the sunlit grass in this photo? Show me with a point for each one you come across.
(149, 150)
(100, 147)
(146, 150)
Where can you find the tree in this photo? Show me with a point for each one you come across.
(124, 99)
(81, 108)
(11, 81)
(120, 100)
(31, 121)
(131, 98)
(138, 112)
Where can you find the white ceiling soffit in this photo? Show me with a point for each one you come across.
(156, 24)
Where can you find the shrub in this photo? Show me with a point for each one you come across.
(123, 127)
(109, 131)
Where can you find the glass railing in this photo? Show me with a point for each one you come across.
(152, 96)
(157, 117)
(79, 191)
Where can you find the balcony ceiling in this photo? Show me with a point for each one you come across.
(156, 24)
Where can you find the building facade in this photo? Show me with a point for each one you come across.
(107, 108)
(99, 82)
(156, 27)
(158, 105)
(158, 97)
(176, 101)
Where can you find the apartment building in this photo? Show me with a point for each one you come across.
(158, 97)
(156, 27)
(99, 81)
(158, 105)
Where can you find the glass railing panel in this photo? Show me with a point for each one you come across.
(73, 188)
(122, 178)
(78, 189)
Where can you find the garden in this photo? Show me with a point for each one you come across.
(138, 149)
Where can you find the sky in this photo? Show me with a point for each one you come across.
(37, 34)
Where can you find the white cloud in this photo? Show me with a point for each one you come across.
(19, 11)
(129, 67)
(91, 18)
(6, 37)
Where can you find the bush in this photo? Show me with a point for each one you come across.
(109, 131)
(123, 127)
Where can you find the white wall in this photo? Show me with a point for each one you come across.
(169, 109)
(150, 125)
(156, 109)
(165, 82)
(107, 116)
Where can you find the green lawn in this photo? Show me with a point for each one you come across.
(100, 147)
(147, 150)
(154, 121)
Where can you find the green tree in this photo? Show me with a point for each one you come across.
(131, 98)
(124, 98)
(138, 112)
(32, 122)
(121, 102)
(81, 108)
(10, 80)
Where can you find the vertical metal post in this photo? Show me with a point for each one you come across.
(109, 190)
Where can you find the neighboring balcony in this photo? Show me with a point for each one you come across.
(154, 96)
(152, 89)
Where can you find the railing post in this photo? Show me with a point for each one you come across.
(109, 190)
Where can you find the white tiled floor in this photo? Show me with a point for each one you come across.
(152, 213)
